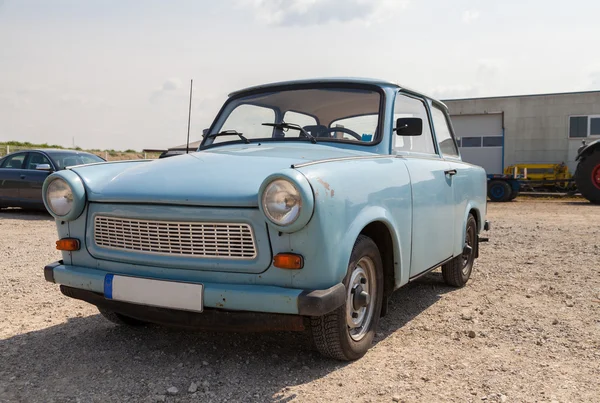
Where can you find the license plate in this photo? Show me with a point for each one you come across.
(164, 294)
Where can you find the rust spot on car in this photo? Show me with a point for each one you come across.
(220, 305)
(322, 182)
(326, 186)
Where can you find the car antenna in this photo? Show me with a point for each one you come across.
(187, 146)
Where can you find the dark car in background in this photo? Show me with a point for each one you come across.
(22, 174)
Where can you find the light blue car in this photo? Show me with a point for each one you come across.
(307, 204)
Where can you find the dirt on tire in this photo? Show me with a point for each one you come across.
(525, 328)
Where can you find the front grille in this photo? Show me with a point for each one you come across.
(194, 239)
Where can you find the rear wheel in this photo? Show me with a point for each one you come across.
(120, 319)
(499, 191)
(347, 333)
(458, 271)
(587, 177)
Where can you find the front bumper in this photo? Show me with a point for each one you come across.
(225, 297)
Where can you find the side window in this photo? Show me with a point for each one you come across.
(14, 161)
(442, 132)
(408, 107)
(36, 159)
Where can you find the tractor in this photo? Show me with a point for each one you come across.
(587, 174)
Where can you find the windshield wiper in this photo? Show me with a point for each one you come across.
(231, 133)
(283, 125)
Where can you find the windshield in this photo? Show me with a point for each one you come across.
(62, 160)
(322, 114)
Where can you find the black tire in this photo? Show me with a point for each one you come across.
(499, 191)
(120, 319)
(457, 272)
(331, 333)
(513, 194)
(586, 177)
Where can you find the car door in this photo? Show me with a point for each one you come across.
(465, 186)
(10, 179)
(33, 179)
(432, 202)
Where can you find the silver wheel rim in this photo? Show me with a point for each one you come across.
(360, 306)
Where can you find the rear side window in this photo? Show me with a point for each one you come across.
(442, 132)
(14, 161)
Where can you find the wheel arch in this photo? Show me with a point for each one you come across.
(377, 224)
(586, 150)
(477, 214)
(379, 232)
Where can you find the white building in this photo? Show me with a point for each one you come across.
(546, 128)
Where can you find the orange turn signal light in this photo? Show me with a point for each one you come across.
(288, 261)
(67, 244)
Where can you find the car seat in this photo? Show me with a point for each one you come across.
(317, 131)
(15, 163)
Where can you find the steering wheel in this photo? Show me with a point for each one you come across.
(343, 130)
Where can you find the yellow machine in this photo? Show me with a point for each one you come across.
(542, 175)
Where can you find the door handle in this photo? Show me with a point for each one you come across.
(22, 176)
(450, 172)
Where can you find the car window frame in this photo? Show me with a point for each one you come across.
(6, 158)
(378, 137)
(426, 103)
(30, 153)
(443, 110)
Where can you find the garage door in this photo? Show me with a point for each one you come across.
(481, 140)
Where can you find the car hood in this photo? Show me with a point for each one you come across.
(227, 176)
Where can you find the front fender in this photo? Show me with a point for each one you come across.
(349, 195)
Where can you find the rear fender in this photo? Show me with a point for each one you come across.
(587, 149)
(460, 242)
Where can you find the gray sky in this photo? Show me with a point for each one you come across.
(115, 73)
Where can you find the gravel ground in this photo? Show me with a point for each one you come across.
(526, 328)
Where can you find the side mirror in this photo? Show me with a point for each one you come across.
(409, 127)
(43, 167)
(204, 132)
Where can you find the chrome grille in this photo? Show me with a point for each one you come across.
(194, 239)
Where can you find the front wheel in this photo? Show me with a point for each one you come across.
(458, 271)
(347, 333)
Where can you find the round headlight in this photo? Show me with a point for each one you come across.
(59, 196)
(281, 202)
